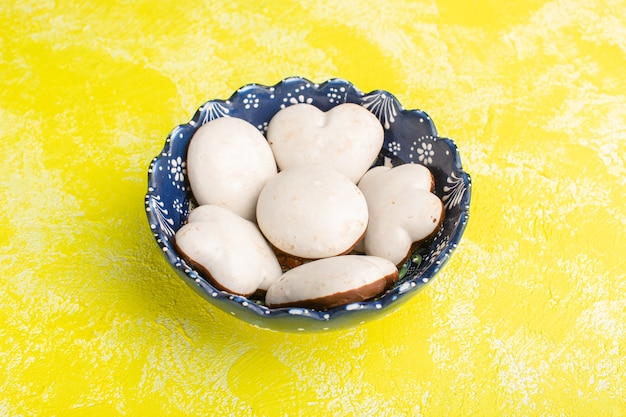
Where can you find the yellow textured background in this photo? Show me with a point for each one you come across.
(527, 318)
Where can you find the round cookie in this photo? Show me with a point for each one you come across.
(312, 212)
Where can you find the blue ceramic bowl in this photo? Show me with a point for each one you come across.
(410, 137)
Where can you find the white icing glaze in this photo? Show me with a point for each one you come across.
(228, 162)
(402, 209)
(408, 176)
(346, 275)
(230, 248)
(312, 212)
(346, 138)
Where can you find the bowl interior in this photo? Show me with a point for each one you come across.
(410, 137)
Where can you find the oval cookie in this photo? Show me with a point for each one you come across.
(331, 282)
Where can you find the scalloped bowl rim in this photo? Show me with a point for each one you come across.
(258, 314)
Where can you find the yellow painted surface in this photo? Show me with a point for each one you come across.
(527, 319)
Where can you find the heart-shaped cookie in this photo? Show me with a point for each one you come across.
(347, 138)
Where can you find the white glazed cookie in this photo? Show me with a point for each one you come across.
(228, 249)
(346, 138)
(331, 282)
(312, 212)
(402, 208)
(228, 162)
